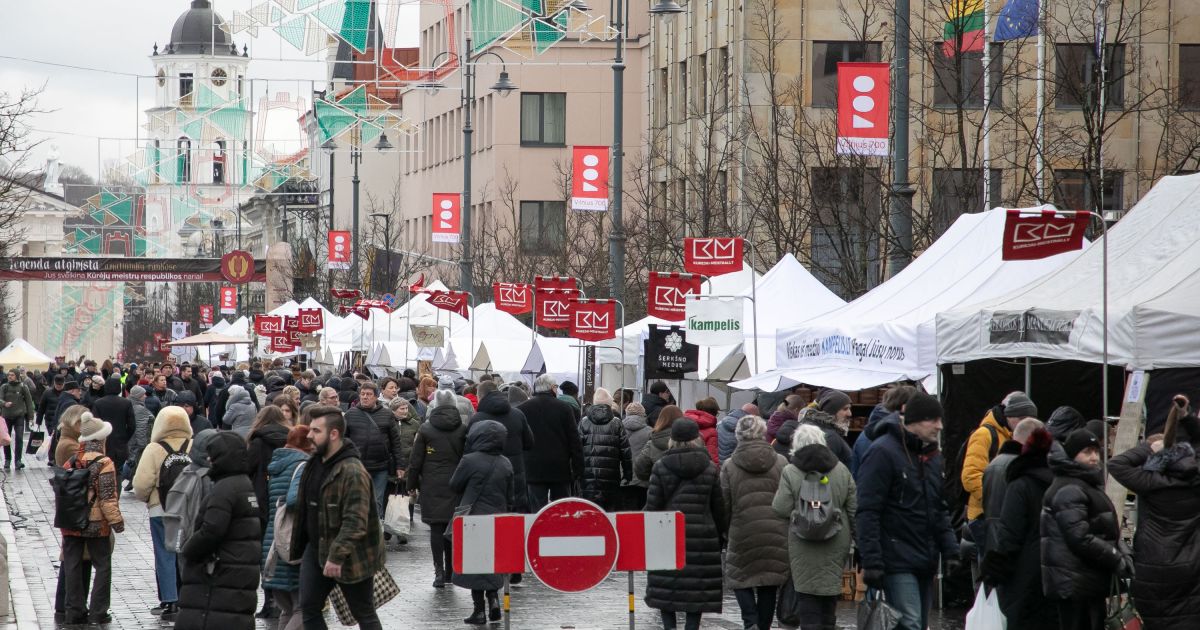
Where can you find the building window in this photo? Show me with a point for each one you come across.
(1189, 76)
(845, 234)
(681, 91)
(661, 105)
(1078, 73)
(184, 161)
(959, 79)
(956, 192)
(240, 81)
(218, 174)
(826, 56)
(702, 85)
(543, 119)
(1076, 190)
(185, 85)
(543, 227)
(721, 72)
(157, 162)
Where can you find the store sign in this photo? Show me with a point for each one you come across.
(428, 336)
(715, 322)
(713, 256)
(228, 300)
(668, 293)
(870, 347)
(593, 320)
(589, 178)
(668, 354)
(862, 108)
(1030, 236)
(339, 250)
(447, 217)
(1043, 327)
(512, 297)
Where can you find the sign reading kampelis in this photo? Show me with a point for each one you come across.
(121, 269)
(714, 322)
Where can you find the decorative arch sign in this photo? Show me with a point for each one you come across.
(85, 269)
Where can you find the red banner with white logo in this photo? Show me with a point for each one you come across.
(589, 178)
(453, 301)
(291, 324)
(862, 108)
(512, 297)
(554, 283)
(447, 217)
(593, 320)
(553, 307)
(339, 250)
(1041, 234)
(713, 256)
(267, 325)
(667, 291)
(311, 319)
(345, 294)
(228, 300)
(282, 343)
(206, 314)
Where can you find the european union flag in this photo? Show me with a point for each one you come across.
(1018, 19)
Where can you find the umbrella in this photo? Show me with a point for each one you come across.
(22, 353)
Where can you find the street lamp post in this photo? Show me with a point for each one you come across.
(387, 244)
(355, 159)
(616, 237)
(503, 86)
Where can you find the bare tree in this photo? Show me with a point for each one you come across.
(15, 184)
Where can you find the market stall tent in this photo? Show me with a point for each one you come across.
(22, 353)
(887, 335)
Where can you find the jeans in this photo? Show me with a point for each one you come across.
(758, 606)
(911, 595)
(16, 429)
(379, 483)
(691, 621)
(817, 612)
(315, 588)
(101, 550)
(164, 563)
(538, 492)
(288, 605)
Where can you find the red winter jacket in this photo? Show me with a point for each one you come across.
(708, 430)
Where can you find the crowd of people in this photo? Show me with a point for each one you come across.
(264, 476)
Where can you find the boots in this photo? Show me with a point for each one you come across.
(478, 616)
(439, 576)
(493, 606)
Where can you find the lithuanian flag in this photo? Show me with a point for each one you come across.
(965, 27)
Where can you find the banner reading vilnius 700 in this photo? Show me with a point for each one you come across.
(447, 217)
(589, 178)
(862, 109)
(339, 250)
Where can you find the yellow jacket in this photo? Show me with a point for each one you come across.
(980, 451)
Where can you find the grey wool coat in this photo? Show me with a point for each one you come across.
(757, 553)
(817, 566)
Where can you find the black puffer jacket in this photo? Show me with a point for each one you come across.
(606, 457)
(484, 480)
(1013, 559)
(377, 435)
(221, 557)
(653, 405)
(558, 457)
(1079, 533)
(518, 438)
(436, 452)
(685, 480)
(1166, 546)
(118, 411)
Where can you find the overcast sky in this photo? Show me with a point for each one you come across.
(95, 116)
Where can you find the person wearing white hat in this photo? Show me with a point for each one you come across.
(103, 520)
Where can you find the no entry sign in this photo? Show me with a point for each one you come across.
(571, 545)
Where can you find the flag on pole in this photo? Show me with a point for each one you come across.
(1101, 22)
(1017, 20)
(964, 29)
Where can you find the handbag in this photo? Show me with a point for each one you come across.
(395, 518)
(1119, 611)
(465, 510)
(787, 609)
(5, 436)
(874, 613)
(37, 435)
(285, 522)
(383, 590)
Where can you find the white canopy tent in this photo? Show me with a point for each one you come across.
(1153, 304)
(887, 335)
(21, 353)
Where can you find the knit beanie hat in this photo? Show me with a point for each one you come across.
(446, 382)
(635, 409)
(832, 401)
(137, 392)
(922, 407)
(750, 428)
(1020, 406)
(93, 429)
(684, 430)
(1079, 440)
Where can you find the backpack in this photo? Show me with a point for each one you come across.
(172, 466)
(181, 506)
(816, 518)
(72, 507)
(285, 523)
(956, 495)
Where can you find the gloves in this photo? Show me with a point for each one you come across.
(873, 578)
(953, 565)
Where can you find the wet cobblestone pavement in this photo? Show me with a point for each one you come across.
(418, 607)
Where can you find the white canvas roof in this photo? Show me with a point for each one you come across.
(1153, 278)
(888, 334)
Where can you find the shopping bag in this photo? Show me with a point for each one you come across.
(395, 518)
(385, 590)
(37, 437)
(5, 437)
(787, 609)
(875, 614)
(1119, 612)
(986, 613)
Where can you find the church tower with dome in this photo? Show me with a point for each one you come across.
(197, 165)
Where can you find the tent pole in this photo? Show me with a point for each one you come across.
(1104, 375)
(1028, 376)
(754, 305)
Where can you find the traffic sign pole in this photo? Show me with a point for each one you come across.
(632, 623)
